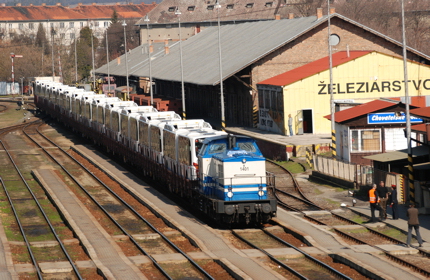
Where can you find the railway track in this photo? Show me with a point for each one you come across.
(144, 237)
(360, 234)
(288, 192)
(300, 265)
(31, 218)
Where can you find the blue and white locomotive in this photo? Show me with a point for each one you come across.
(221, 175)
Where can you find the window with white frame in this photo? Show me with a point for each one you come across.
(31, 25)
(71, 25)
(106, 24)
(21, 26)
(52, 25)
(82, 24)
(61, 24)
(10, 25)
(96, 24)
(365, 140)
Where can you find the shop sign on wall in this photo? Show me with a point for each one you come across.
(382, 118)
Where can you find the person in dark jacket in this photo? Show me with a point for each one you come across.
(394, 202)
(383, 197)
(413, 222)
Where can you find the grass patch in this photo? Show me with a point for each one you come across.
(291, 166)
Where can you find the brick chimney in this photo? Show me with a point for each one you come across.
(118, 60)
(290, 15)
(3, 4)
(79, 4)
(18, 4)
(332, 10)
(319, 13)
(166, 47)
(43, 4)
(58, 4)
(277, 17)
(94, 4)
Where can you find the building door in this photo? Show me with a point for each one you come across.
(308, 126)
(299, 118)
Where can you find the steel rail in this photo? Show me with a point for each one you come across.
(392, 239)
(273, 258)
(21, 229)
(322, 264)
(44, 215)
(296, 184)
(386, 252)
(127, 205)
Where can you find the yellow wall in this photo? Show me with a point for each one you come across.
(371, 72)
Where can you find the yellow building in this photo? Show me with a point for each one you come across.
(357, 75)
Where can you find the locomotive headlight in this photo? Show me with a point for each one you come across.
(260, 191)
(244, 160)
(230, 193)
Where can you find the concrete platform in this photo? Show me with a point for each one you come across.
(365, 258)
(55, 267)
(398, 249)
(294, 145)
(103, 250)
(402, 222)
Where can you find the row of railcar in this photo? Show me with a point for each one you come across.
(221, 175)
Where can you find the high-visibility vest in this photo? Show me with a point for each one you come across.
(372, 196)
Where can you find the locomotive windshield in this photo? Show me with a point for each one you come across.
(247, 146)
(217, 148)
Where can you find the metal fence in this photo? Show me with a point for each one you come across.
(361, 175)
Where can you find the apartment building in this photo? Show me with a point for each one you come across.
(65, 21)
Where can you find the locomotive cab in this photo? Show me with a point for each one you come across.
(233, 173)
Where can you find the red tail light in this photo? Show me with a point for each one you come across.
(196, 166)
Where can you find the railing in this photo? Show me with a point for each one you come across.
(361, 175)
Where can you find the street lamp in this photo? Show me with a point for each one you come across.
(92, 54)
(126, 58)
(411, 186)
(107, 60)
(218, 7)
(76, 64)
(52, 52)
(332, 107)
(184, 115)
(146, 19)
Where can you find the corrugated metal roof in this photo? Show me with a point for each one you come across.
(313, 68)
(241, 45)
(360, 110)
(231, 10)
(399, 155)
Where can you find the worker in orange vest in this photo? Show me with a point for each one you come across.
(374, 202)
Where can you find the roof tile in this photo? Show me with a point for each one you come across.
(312, 68)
